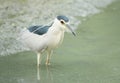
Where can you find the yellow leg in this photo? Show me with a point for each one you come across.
(38, 59)
(49, 53)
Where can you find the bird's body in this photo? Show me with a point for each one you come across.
(44, 38)
(40, 40)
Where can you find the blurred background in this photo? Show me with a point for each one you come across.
(93, 56)
(17, 14)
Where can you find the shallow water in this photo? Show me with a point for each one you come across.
(90, 57)
(17, 14)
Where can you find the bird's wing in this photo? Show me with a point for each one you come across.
(40, 30)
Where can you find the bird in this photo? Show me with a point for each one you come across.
(41, 38)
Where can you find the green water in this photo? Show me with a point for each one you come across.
(93, 56)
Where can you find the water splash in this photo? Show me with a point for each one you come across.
(17, 14)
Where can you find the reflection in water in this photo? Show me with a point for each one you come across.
(38, 73)
(48, 74)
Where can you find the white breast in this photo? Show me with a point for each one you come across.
(55, 39)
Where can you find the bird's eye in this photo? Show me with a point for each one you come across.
(62, 22)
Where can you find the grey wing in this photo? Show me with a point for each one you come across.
(40, 30)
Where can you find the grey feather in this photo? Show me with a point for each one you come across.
(62, 17)
(39, 29)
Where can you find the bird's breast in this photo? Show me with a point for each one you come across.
(56, 39)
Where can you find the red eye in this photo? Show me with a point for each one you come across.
(62, 22)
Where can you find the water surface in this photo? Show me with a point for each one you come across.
(90, 57)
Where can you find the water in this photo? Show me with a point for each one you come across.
(93, 56)
(17, 14)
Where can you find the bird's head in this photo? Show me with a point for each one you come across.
(63, 23)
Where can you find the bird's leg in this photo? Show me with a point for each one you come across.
(49, 53)
(38, 59)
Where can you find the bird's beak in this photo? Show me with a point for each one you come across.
(68, 26)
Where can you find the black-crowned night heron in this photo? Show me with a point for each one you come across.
(46, 38)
